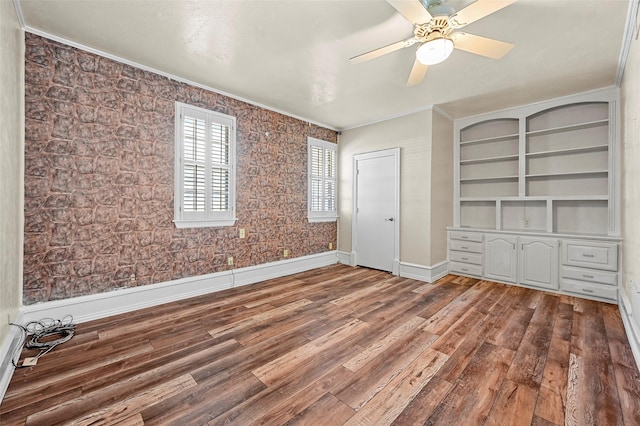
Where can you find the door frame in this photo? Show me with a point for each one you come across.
(395, 153)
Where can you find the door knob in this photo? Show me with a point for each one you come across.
(389, 219)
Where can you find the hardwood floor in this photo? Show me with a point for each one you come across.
(341, 345)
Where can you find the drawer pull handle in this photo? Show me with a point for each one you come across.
(464, 258)
(465, 248)
(587, 255)
(587, 276)
(464, 237)
(464, 269)
(586, 290)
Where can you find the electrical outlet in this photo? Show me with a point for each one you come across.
(286, 253)
(330, 246)
(230, 261)
(527, 222)
(241, 232)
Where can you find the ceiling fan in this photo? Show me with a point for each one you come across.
(434, 26)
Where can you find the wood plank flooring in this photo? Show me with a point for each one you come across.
(341, 346)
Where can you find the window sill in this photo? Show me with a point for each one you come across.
(322, 219)
(180, 224)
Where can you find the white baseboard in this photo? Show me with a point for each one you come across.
(424, 273)
(281, 268)
(630, 327)
(408, 270)
(96, 306)
(344, 258)
(8, 348)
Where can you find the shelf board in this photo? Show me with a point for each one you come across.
(553, 198)
(495, 178)
(580, 198)
(591, 172)
(490, 159)
(568, 128)
(594, 148)
(491, 139)
(478, 199)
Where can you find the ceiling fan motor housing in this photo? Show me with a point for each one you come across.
(436, 8)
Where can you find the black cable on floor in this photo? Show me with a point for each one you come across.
(39, 335)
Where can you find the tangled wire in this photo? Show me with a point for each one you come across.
(40, 335)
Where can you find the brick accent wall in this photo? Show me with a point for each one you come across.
(99, 156)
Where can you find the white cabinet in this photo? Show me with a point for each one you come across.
(538, 262)
(501, 258)
(590, 269)
(577, 267)
(466, 253)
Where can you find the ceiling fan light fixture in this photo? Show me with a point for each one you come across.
(434, 51)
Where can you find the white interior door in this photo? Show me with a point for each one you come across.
(376, 209)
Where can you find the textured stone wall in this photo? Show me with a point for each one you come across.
(99, 156)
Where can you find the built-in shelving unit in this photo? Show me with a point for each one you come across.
(533, 168)
(547, 171)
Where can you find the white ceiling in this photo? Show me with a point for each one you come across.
(292, 56)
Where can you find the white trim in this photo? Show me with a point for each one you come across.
(16, 5)
(180, 224)
(391, 152)
(281, 268)
(322, 219)
(629, 30)
(625, 302)
(353, 259)
(444, 113)
(206, 218)
(633, 334)
(324, 146)
(344, 257)
(168, 75)
(8, 348)
(424, 273)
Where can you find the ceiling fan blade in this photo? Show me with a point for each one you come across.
(417, 73)
(412, 10)
(477, 10)
(483, 46)
(383, 50)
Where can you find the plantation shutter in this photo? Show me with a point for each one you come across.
(322, 197)
(205, 176)
(195, 163)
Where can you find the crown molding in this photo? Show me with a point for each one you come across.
(630, 33)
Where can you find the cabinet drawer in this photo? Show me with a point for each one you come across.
(467, 236)
(468, 246)
(589, 289)
(590, 255)
(610, 278)
(465, 268)
(474, 258)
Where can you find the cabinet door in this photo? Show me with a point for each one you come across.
(538, 260)
(500, 257)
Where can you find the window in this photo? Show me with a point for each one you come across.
(323, 181)
(205, 168)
